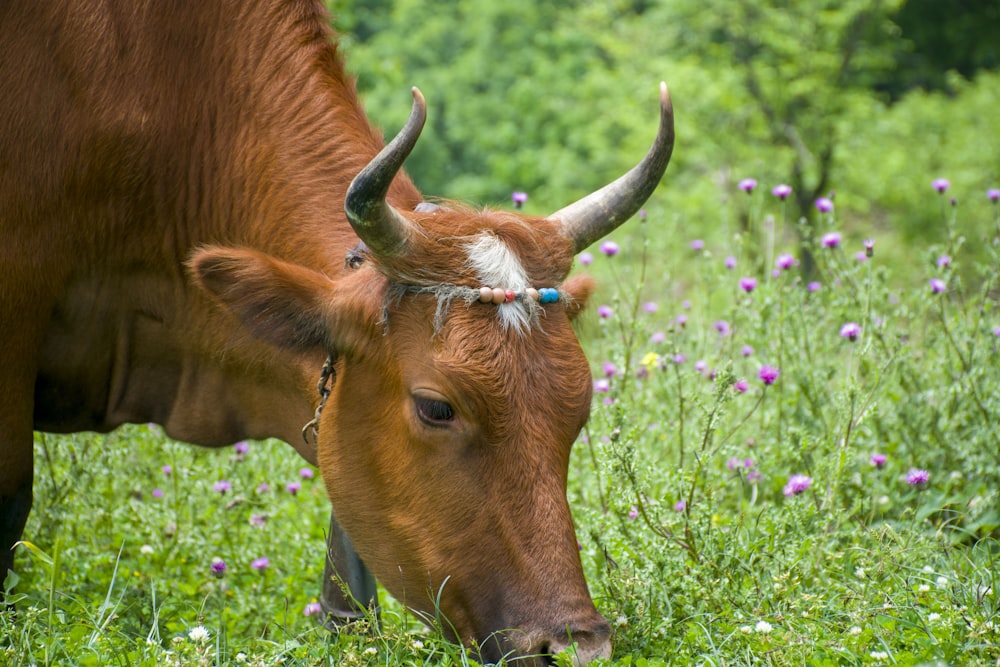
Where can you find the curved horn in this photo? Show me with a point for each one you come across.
(383, 229)
(601, 212)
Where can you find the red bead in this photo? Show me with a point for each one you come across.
(508, 296)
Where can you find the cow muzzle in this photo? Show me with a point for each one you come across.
(583, 641)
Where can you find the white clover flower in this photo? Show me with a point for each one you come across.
(933, 617)
(621, 621)
(860, 573)
(927, 569)
(879, 655)
(763, 627)
(146, 550)
(855, 630)
(942, 582)
(241, 658)
(923, 588)
(371, 650)
(198, 634)
(746, 629)
(417, 644)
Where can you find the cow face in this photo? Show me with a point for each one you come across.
(445, 442)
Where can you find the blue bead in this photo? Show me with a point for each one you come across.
(548, 295)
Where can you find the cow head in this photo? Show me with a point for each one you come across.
(445, 442)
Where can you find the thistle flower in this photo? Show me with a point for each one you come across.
(940, 184)
(602, 385)
(167, 470)
(306, 473)
(781, 191)
(585, 258)
(519, 198)
(609, 369)
(650, 307)
(610, 248)
(850, 331)
(680, 506)
(796, 485)
(878, 460)
(730, 262)
(814, 286)
(784, 261)
(747, 185)
(869, 247)
(824, 205)
(293, 487)
(722, 327)
(993, 194)
(633, 513)
(604, 311)
(222, 487)
(157, 493)
(260, 564)
(242, 447)
(697, 244)
(217, 568)
(748, 284)
(312, 608)
(831, 239)
(917, 477)
(768, 374)
(741, 386)
(944, 261)
(747, 351)
(937, 285)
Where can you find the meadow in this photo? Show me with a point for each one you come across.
(782, 467)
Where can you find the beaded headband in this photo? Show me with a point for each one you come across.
(530, 298)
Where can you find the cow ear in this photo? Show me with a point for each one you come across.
(280, 303)
(579, 289)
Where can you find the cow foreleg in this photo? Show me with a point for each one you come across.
(349, 590)
(15, 501)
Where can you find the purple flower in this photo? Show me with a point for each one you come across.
(681, 319)
(680, 506)
(312, 608)
(784, 261)
(861, 256)
(218, 567)
(263, 487)
(944, 261)
(605, 311)
(734, 463)
(697, 244)
(869, 247)
(260, 564)
(747, 351)
(242, 447)
(642, 215)
(658, 337)
(609, 369)
(748, 284)
(167, 470)
(831, 239)
(585, 258)
(796, 485)
(741, 386)
(747, 185)
(937, 285)
(293, 487)
(650, 307)
(258, 520)
(610, 248)
(850, 331)
(730, 262)
(814, 286)
(878, 460)
(768, 374)
(722, 327)
(602, 385)
(519, 198)
(781, 191)
(222, 487)
(306, 473)
(157, 493)
(686, 304)
(633, 513)
(917, 477)
(940, 184)
(996, 331)
(679, 358)
(993, 194)
(700, 365)
(824, 205)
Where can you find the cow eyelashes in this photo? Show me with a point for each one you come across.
(433, 412)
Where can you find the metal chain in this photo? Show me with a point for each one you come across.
(323, 387)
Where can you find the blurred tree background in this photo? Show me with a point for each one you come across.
(869, 98)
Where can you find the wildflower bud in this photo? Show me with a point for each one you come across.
(869, 247)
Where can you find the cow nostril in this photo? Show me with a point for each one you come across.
(582, 646)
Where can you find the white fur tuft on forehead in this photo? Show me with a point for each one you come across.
(497, 266)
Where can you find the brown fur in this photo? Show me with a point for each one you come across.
(135, 132)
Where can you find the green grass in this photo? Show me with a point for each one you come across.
(692, 548)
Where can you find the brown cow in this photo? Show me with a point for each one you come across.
(141, 140)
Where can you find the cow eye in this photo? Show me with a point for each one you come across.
(434, 412)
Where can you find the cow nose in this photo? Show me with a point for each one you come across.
(585, 642)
